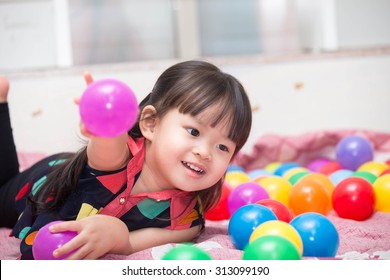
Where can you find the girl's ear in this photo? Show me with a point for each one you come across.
(148, 121)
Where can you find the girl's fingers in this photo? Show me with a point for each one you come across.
(68, 247)
(65, 226)
(85, 132)
(88, 78)
(76, 100)
(79, 254)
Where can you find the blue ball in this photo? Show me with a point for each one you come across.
(339, 175)
(245, 220)
(233, 167)
(284, 167)
(254, 174)
(319, 236)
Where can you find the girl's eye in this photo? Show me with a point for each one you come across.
(193, 131)
(223, 148)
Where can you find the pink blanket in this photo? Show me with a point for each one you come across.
(358, 240)
(369, 239)
(304, 148)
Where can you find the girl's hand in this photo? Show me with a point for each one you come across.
(97, 236)
(83, 130)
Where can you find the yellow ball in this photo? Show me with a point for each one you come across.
(382, 193)
(278, 228)
(235, 178)
(277, 187)
(271, 167)
(373, 167)
(293, 171)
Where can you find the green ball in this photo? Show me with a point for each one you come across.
(296, 177)
(371, 178)
(271, 247)
(186, 252)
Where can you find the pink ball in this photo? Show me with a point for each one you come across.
(46, 242)
(317, 164)
(108, 108)
(245, 193)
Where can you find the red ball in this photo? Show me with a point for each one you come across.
(280, 210)
(354, 198)
(330, 167)
(220, 211)
(386, 171)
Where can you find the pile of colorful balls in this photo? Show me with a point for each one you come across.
(279, 212)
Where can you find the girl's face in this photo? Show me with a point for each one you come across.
(185, 152)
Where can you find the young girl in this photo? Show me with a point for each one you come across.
(150, 186)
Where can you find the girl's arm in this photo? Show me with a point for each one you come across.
(101, 234)
(108, 153)
(104, 153)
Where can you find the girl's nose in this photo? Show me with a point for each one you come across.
(203, 153)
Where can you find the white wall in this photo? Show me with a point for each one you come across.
(294, 96)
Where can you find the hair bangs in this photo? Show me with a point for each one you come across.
(231, 111)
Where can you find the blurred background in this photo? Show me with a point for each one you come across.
(308, 65)
(60, 33)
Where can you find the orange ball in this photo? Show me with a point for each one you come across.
(323, 180)
(309, 196)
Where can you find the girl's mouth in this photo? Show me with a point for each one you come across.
(193, 167)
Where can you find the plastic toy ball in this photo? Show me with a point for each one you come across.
(352, 151)
(339, 175)
(235, 178)
(382, 192)
(258, 173)
(309, 196)
(321, 179)
(281, 211)
(281, 229)
(108, 108)
(244, 194)
(186, 252)
(272, 166)
(234, 167)
(244, 221)
(373, 167)
(220, 211)
(317, 164)
(387, 171)
(271, 247)
(330, 167)
(46, 242)
(284, 167)
(291, 172)
(371, 178)
(297, 177)
(277, 187)
(319, 236)
(354, 198)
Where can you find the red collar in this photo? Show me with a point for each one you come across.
(125, 201)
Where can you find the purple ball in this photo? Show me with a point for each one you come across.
(108, 108)
(46, 242)
(317, 164)
(352, 151)
(245, 193)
